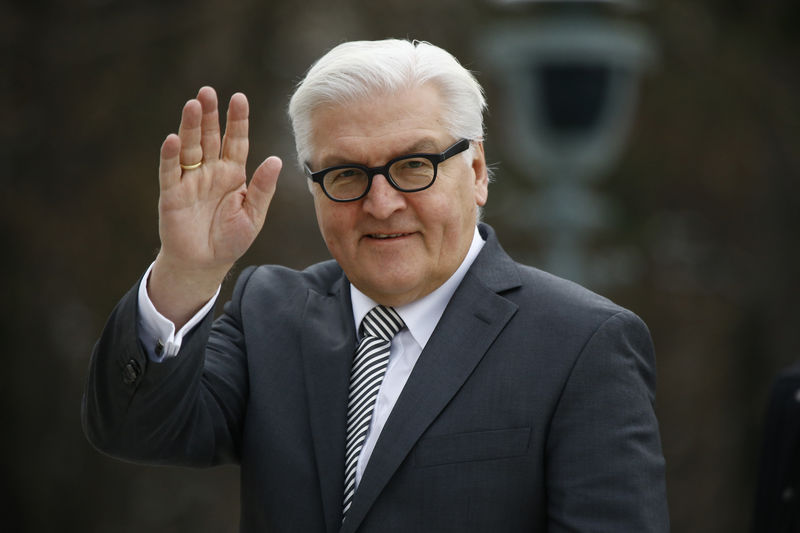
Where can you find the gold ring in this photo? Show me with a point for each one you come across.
(191, 167)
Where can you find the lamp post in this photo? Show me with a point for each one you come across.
(570, 85)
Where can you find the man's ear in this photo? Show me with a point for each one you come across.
(481, 173)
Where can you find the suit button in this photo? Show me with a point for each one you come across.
(787, 495)
(131, 372)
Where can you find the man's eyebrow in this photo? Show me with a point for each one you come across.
(422, 146)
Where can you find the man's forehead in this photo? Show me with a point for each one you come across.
(379, 126)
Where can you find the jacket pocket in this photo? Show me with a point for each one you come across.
(472, 446)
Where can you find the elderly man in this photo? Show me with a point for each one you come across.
(419, 381)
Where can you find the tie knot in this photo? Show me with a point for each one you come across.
(382, 322)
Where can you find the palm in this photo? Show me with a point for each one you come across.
(202, 219)
(208, 216)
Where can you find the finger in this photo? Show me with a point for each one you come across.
(235, 142)
(169, 168)
(209, 125)
(262, 189)
(190, 133)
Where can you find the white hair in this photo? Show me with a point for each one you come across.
(356, 70)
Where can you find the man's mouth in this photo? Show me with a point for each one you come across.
(386, 235)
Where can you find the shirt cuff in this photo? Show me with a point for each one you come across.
(157, 332)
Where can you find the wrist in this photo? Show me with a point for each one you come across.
(179, 291)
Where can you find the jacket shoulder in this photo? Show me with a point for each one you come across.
(563, 298)
(284, 282)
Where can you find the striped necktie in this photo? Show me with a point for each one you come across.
(369, 366)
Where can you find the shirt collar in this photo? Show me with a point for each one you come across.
(422, 316)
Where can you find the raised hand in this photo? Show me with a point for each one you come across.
(208, 214)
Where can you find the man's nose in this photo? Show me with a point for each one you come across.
(382, 199)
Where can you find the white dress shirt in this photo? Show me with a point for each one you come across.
(420, 317)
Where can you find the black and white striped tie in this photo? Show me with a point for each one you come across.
(369, 366)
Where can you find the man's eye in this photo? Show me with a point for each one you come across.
(413, 164)
(346, 173)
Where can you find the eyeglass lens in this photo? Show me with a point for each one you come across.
(409, 174)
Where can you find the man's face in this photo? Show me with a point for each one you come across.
(397, 247)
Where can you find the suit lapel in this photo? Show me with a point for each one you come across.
(474, 317)
(328, 345)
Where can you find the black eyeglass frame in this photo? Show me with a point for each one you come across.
(371, 172)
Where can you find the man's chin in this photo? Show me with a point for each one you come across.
(392, 290)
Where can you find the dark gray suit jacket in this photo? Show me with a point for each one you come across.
(777, 505)
(530, 408)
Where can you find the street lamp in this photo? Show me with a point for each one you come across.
(570, 85)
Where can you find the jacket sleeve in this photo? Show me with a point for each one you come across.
(186, 410)
(605, 467)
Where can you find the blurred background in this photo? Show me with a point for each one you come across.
(647, 150)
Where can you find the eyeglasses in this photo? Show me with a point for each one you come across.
(408, 173)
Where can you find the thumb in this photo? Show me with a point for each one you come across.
(262, 189)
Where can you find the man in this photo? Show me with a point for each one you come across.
(420, 381)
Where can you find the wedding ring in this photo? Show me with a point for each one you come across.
(191, 167)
